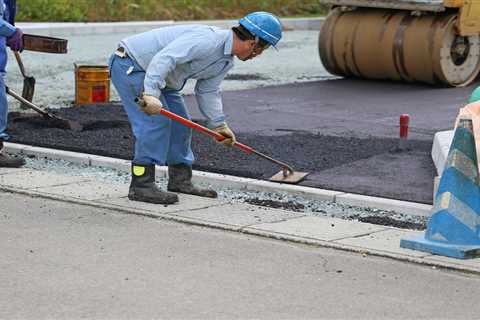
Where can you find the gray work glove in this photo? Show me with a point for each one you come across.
(150, 105)
(225, 131)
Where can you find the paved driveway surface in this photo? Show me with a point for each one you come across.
(63, 260)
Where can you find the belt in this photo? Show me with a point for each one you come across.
(121, 52)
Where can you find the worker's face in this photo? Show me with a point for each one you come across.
(250, 50)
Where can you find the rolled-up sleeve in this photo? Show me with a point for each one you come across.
(209, 99)
(6, 29)
(182, 50)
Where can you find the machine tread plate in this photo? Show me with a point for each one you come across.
(422, 5)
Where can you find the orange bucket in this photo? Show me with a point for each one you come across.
(92, 84)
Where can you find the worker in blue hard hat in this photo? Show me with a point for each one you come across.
(152, 67)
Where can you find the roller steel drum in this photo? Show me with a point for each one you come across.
(392, 44)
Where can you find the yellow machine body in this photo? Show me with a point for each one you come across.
(435, 42)
(469, 16)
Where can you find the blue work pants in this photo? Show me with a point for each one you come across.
(159, 140)
(3, 95)
(3, 109)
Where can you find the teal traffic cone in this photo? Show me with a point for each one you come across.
(453, 230)
(474, 96)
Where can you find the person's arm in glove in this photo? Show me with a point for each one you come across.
(150, 105)
(225, 131)
(15, 41)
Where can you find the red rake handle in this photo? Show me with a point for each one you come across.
(203, 129)
(285, 167)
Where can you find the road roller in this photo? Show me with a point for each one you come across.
(429, 41)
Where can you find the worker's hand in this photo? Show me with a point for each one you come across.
(15, 41)
(225, 131)
(150, 105)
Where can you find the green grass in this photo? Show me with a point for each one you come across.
(131, 10)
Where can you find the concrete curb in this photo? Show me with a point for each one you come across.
(65, 29)
(232, 182)
(424, 260)
(413, 208)
(363, 251)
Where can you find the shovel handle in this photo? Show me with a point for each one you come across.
(286, 169)
(28, 103)
(20, 63)
(203, 129)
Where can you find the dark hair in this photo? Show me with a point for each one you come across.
(244, 35)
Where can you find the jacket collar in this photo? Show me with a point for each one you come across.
(229, 43)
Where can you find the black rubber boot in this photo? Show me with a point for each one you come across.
(143, 187)
(180, 180)
(7, 161)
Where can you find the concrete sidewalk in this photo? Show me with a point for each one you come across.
(243, 218)
(80, 28)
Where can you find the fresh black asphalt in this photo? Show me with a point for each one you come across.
(344, 132)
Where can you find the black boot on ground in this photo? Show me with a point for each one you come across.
(7, 161)
(143, 187)
(180, 180)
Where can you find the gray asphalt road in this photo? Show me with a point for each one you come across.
(69, 261)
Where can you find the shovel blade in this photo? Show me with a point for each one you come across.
(61, 123)
(75, 126)
(292, 178)
(28, 90)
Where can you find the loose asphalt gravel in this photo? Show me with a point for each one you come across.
(278, 200)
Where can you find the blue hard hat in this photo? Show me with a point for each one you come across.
(264, 25)
(475, 96)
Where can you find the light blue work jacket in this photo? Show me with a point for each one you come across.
(7, 14)
(172, 55)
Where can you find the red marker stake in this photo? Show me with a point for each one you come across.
(404, 121)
